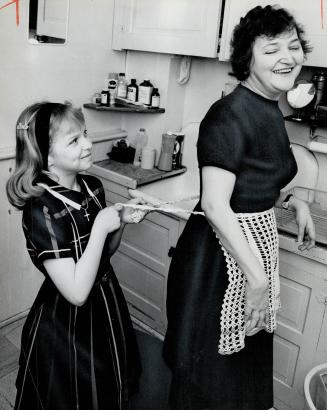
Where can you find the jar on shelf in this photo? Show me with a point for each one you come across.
(133, 91)
(155, 98)
(145, 92)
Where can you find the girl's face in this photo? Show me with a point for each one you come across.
(70, 151)
(276, 63)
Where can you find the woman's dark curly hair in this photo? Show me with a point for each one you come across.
(269, 21)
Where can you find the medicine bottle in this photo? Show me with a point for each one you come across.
(122, 86)
(112, 87)
(133, 91)
(105, 100)
(155, 98)
(145, 92)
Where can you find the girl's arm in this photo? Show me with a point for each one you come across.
(218, 185)
(114, 239)
(75, 280)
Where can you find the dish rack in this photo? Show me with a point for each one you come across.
(317, 201)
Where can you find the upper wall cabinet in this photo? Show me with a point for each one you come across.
(168, 26)
(311, 14)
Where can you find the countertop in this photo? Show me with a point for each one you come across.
(179, 188)
(188, 185)
(131, 176)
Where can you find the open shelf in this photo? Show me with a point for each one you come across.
(120, 108)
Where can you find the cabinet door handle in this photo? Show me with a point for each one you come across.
(171, 251)
(322, 298)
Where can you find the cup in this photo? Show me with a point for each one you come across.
(148, 157)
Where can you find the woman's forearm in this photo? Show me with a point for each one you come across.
(225, 224)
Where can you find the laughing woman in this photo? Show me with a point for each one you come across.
(223, 286)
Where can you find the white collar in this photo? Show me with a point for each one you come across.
(62, 198)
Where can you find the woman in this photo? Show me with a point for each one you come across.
(223, 281)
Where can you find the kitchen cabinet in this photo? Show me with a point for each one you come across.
(52, 18)
(167, 26)
(19, 280)
(142, 261)
(311, 14)
(301, 334)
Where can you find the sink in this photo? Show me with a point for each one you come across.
(318, 144)
(307, 175)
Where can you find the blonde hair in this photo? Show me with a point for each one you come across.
(21, 185)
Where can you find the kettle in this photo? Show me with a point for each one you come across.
(167, 151)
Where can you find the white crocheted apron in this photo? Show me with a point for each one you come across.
(261, 233)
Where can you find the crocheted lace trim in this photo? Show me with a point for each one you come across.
(261, 233)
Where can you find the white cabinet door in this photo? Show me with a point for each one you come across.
(19, 280)
(299, 327)
(234, 10)
(142, 261)
(168, 26)
(311, 14)
(52, 18)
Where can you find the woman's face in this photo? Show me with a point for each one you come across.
(70, 151)
(276, 63)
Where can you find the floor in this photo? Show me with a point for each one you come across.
(9, 353)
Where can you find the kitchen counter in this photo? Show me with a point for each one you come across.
(129, 175)
(179, 188)
(188, 185)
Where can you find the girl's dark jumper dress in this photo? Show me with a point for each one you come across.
(72, 357)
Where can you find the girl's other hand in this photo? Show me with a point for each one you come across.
(108, 219)
(129, 215)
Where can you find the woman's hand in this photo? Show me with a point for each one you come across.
(306, 229)
(256, 303)
(129, 215)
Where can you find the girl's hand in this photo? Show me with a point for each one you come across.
(108, 219)
(306, 233)
(256, 303)
(129, 215)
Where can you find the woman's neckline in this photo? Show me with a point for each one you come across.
(257, 94)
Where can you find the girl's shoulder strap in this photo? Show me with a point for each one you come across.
(57, 195)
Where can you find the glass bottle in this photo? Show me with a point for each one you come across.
(145, 92)
(133, 91)
(155, 98)
(141, 141)
(122, 86)
(112, 87)
(105, 99)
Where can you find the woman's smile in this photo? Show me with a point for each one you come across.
(276, 62)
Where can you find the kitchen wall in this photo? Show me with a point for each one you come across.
(73, 71)
(77, 69)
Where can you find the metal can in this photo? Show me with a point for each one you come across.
(178, 149)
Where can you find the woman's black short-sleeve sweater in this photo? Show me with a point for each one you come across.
(244, 133)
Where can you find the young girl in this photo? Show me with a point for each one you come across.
(78, 347)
